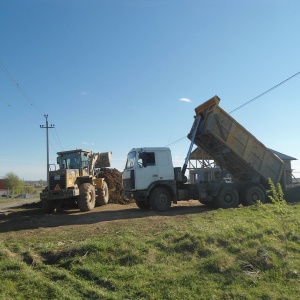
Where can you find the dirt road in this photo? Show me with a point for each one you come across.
(11, 203)
(30, 216)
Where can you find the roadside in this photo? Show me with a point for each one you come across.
(16, 217)
(7, 204)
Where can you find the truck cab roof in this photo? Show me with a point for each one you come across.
(150, 149)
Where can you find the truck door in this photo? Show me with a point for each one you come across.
(146, 172)
(165, 165)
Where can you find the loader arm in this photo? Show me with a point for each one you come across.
(93, 159)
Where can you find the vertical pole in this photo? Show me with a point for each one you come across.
(47, 145)
(196, 124)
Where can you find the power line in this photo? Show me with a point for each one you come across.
(176, 141)
(20, 89)
(269, 90)
(34, 122)
(57, 139)
(255, 98)
(16, 110)
(28, 99)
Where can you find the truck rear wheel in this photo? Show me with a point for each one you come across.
(207, 203)
(160, 199)
(102, 195)
(87, 197)
(253, 194)
(227, 198)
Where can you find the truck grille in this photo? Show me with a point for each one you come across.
(129, 183)
(61, 182)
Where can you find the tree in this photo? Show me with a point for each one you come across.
(13, 183)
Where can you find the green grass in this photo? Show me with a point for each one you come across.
(241, 253)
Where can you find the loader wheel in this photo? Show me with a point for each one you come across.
(160, 199)
(48, 206)
(102, 195)
(87, 197)
(227, 198)
(143, 204)
(252, 195)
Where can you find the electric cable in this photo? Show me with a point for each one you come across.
(29, 100)
(255, 98)
(21, 90)
(56, 137)
(269, 90)
(16, 110)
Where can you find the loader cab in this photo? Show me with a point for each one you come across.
(74, 159)
(147, 165)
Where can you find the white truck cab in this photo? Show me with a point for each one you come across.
(148, 169)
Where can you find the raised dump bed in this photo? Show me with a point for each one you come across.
(234, 147)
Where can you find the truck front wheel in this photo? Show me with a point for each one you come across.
(143, 204)
(227, 198)
(87, 197)
(160, 199)
(252, 195)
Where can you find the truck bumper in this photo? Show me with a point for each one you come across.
(137, 195)
(60, 194)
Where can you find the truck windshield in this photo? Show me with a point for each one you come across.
(130, 160)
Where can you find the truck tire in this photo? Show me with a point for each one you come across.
(160, 199)
(48, 206)
(207, 203)
(143, 204)
(87, 197)
(253, 194)
(227, 198)
(102, 195)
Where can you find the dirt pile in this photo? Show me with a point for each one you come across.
(113, 178)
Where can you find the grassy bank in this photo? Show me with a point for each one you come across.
(243, 253)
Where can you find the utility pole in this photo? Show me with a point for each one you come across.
(47, 145)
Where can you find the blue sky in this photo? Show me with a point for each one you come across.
(110, 75)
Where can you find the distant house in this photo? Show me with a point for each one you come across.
(2, 188)
(287, 165)
(200, 158)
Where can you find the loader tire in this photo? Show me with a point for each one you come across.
(87, 197)
(102, 195)
(160, 199)
(228, 197)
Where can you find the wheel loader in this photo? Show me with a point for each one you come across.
(78, 181)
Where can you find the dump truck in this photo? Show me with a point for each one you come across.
(241, 176)
(77, 181)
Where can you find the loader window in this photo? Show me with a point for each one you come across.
(84, 160)
(69, 161)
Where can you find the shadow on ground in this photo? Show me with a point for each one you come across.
(31, 216)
